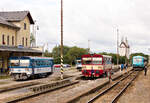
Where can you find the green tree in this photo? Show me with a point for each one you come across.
(32, 39)
(74, 53)
(47, 54)
(56, 54)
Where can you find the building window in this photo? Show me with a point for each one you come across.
(3, 39)
(7, 40)
(25, 26)
(12, 40)
(23, 41)
(26, 41)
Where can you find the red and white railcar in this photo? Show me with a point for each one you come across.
(95, 65)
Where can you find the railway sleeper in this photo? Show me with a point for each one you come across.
(46, 87)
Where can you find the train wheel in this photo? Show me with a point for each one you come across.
(25, 77)
(16, 77)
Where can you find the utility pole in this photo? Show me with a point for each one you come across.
(89, 46)
(117, 47)
(34, 34)
(61, 55)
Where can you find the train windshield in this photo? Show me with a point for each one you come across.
(93, 60)
(14, 63)
(97, 61)
(87, 60)
(19, 63)
(24, 63)
(137, 60)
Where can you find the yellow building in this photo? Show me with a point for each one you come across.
(15, 36)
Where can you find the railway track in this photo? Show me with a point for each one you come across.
(114, 91)
(36, 90)
(45, 88)
(91, 96)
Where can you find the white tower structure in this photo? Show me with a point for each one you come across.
(124, 48)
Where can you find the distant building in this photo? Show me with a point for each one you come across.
(15, 36)
(124, 48)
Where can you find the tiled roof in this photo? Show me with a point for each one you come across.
(4, 22)
(11, 16)
(16, 15)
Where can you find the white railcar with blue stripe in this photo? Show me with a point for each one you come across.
(139, 62)
(22, 68)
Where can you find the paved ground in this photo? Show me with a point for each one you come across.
(139, 91)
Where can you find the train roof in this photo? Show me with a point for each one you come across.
(30, 57)
(96, 55)
(139, 57)
(107, 56)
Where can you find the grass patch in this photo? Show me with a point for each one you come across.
(1, 83)
(4, 77)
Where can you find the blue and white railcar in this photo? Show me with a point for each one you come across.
(139, 62)
(78, 64)
(22, 68)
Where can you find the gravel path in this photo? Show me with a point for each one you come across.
(139, 91)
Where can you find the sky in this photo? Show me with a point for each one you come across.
(93, 20)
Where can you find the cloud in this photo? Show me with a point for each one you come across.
(94, 20)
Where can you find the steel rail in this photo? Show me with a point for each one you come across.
(106, 90)
(123, 90)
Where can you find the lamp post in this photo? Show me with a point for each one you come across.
(117, 47)
(35, 28)
(89, 46)
(61, 55)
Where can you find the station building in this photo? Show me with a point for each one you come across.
(15, 36)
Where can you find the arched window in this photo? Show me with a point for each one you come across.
(12, 40)
(25, 26)
(26, 41)
(23, 41)
(8, 40)
(3, 39)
